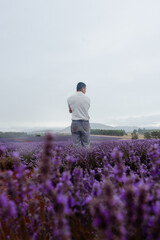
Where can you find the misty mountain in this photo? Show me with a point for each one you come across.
(104, 127)
(93, 126)
(127, 129)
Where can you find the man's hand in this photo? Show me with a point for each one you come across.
(70, 110)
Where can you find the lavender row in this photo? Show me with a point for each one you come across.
(110, 191)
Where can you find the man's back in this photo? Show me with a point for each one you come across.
(79, 103)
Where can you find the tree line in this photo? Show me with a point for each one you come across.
(153, 134)
(108, 132)
(13, 134)
(148, 134)
(144, 130)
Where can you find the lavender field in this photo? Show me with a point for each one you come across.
(50, 190)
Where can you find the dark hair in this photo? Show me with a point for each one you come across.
(80, 85)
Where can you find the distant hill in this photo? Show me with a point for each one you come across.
(92, 125)
(43, 131)
(13, 134)
(127, 129)
(57, 130)
(101, 126)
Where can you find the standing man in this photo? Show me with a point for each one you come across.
(79, 105)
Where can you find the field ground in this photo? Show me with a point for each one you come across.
(58, 138)
(67, 138)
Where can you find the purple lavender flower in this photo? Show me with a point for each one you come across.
(46, 159)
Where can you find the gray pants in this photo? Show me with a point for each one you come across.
(80, 130)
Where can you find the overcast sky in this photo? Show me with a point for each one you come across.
(48, 46)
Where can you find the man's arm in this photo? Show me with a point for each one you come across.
(70, 110)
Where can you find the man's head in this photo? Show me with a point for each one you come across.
(81, 87)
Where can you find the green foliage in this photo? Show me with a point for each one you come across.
(108, 132)
(134, 134)
(147, 135)
(29, 159)
(141, 131)
(154, 134)
(6, 163)
(13, 134)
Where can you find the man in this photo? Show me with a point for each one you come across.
(79, 105)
